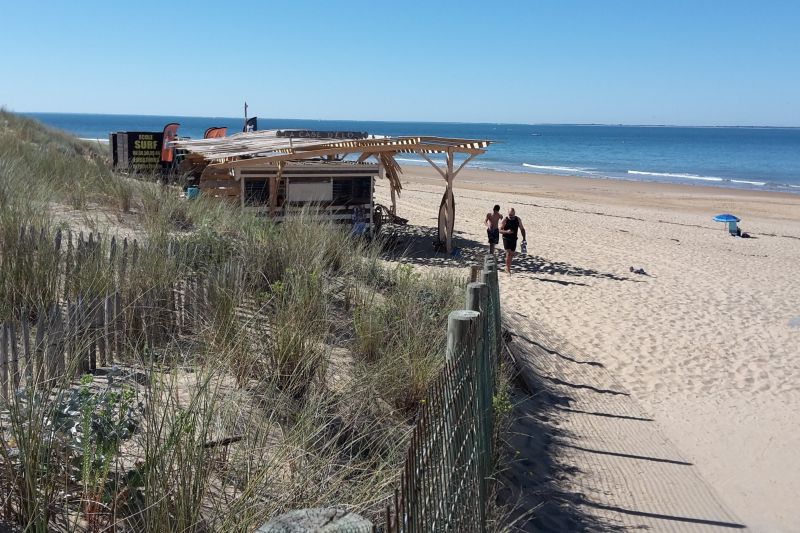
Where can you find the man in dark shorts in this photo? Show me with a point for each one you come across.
(509, 228)
(492, 231)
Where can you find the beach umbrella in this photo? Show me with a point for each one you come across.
(729, 221)
(726, 217)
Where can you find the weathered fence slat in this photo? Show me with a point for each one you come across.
(118, 325)
(39, 348)
(26, 345)
(4, 362)
(13, 355)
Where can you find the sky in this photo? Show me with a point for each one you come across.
(695, 62)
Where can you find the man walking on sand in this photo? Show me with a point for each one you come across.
(492, 231)
(508, 228)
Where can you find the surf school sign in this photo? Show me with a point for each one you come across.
(137, 150)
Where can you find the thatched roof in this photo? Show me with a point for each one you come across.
(269, 145)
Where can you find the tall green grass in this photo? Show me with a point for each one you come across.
(310, 357)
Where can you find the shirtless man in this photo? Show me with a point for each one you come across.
(492, 231)
(509, 227)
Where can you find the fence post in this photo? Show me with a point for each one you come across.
(461, 333)
(463, 330)
(478, 300)
(489, 276)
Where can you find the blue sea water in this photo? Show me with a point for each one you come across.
(740, 157)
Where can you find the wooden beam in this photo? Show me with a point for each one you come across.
(439, 170)
(299, 154)
(463, 164)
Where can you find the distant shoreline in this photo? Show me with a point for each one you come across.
(387, 121)
(742, 157)
(683, 197)
(714, 183)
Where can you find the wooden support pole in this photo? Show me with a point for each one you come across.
(450, 212)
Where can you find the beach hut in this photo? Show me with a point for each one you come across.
(278, 171)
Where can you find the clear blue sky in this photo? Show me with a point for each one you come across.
(691, 62)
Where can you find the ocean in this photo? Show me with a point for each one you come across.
(739, 157)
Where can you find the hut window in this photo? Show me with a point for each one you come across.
(362, 190)
(256, 192)
(352, 190)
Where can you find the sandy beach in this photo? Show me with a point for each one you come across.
(707, 343)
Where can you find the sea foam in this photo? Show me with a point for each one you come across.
(675, 175)
(560, 169)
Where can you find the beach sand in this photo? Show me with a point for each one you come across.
(707, 344)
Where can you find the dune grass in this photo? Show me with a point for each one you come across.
(296, 387)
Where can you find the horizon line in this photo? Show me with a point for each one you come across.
(617, 124)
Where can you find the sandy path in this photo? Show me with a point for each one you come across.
(708, 343)
(624, 474)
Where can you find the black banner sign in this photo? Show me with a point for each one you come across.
(137, 150)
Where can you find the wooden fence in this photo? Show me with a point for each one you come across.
(446, 480)
(74, 326)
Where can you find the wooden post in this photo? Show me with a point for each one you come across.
(461, 333)
(489, 276)
(478, 300)
(474, 273)
(463, 336)
(450, 204)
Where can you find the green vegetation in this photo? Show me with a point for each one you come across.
(294, 387)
